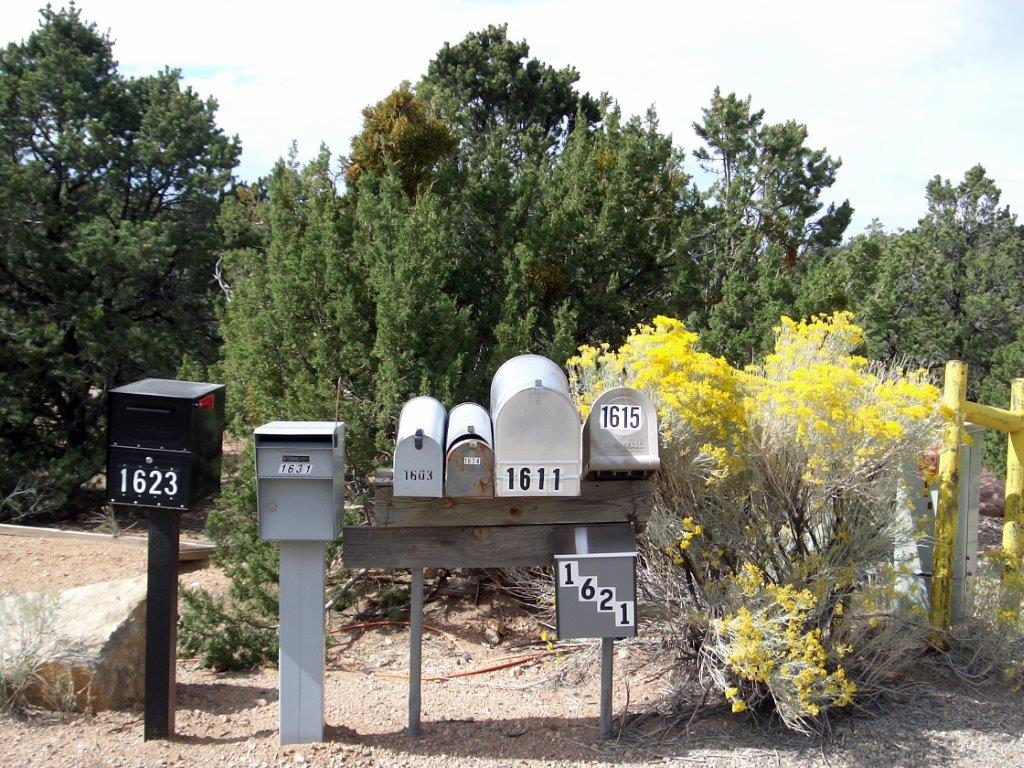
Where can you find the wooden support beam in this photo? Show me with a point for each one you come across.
(602, 501)
(448, 547)
(994, 418)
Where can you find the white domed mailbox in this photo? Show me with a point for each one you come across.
(419, 449)
(620, 438)
(537, 430)
(469, 458)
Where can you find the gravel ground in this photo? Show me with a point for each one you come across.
(511, 717)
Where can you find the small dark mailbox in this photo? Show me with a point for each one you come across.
(164, 443)
(164, 454)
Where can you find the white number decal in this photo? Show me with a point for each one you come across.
(587, 589)
(621, 418)
(545, 478)
(295, 468)
(568, 573)
(150, 482)
(172, 482)
(624, 614)
(605, 598)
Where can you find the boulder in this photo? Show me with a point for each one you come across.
(94, 654)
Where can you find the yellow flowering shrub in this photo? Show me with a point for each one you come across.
(780, 507)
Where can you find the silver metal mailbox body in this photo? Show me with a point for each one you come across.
(620, 438)
(419, 449)
(469, 458)
(537, 430)
(300, 480)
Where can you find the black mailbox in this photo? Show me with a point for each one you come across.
(164, 443)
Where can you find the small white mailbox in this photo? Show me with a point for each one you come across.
(469, 457)
(419, 449)
(300, 480)
(620, 438)
(537, 430)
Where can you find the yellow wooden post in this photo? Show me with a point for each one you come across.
(1013, 513)
(954, 394)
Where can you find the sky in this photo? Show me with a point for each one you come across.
(900, 91)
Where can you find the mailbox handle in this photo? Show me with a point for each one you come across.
(146, 409)
(418, 439)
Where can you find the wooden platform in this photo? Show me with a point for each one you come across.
(485, 533)
(601, 501)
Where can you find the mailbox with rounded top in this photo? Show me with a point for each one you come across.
(300, 480)
(419, 449)
(164, 442)
(469, 458)
(537, 430)
(620, 438)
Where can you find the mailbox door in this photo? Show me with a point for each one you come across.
(150, 422)
(621, 434)
(418, 471)
(537, 445)
(595, 596)
(148, 478)
(469, 470)
(297, 459)
(297, 509)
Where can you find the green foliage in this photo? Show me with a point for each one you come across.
(953, 287)
(762, 213)
(108, 192)
(238, 631)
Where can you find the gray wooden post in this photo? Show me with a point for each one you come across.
(607, 647)
(415, 649)
(301, 629)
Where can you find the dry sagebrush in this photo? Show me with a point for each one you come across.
(771, 556)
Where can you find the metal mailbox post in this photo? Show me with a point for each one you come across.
(419, 449)
(300, 492)
(537, 431)
(164, 454)
(469, 456)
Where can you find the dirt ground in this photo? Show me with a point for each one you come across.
(518, 716)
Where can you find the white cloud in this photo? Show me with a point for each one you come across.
(900, 90)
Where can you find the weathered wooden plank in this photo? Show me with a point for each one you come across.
(367, 546)
(602, 501)
(189, 550)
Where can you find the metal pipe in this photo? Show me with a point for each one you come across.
(415, 649)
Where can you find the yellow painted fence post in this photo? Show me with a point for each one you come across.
(1013, 513)
(954, 394)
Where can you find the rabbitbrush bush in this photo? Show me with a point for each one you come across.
(770, 556)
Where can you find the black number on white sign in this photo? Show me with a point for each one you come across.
(621, 418)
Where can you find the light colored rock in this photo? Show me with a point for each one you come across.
(94, 659)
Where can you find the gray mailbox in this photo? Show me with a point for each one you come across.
(300, 480)
(620, 438)
(419, 449)
(595, 593)
(469, 458)
(537, 431)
